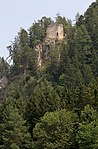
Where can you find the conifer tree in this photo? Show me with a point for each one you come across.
(14, 132)
(55, 130)
(87, 135)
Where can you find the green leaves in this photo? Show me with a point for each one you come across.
(87, 134)
(67, 78)
(44, 99)
(14, 132)
(55, 130)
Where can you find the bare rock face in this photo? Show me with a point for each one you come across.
(3, 82)
(38, 49)
(54, 36)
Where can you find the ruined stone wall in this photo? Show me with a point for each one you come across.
(55, 31)
(60, 32)
(54, 36)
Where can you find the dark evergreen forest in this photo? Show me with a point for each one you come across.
(55, 106)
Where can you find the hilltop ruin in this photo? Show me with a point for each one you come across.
(55, 32)
(54, 35)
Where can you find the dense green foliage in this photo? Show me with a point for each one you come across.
(55, 130)
(55, 106)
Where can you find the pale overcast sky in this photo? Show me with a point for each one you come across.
(22, 13)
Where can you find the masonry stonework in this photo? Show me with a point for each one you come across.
(55, 32)
(54, 36)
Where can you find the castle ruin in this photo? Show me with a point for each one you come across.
(54, 36)
(55, 32)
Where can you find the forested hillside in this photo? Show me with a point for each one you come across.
(49, 92)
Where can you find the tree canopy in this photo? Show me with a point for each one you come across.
(49, 92)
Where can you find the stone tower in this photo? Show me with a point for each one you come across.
(55, 32)
(54, 36)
